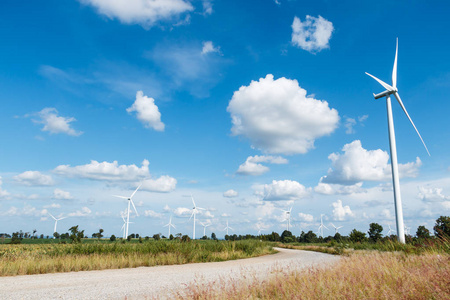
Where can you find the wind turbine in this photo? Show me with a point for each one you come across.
(194, 213)
(336, 228)
(130, 200)
(393, 148)
(228, 227)
(288, 217)
(169, 225)
(321, 227)
(56, 222)
(390, 230)
(204, 227)
(259, 229)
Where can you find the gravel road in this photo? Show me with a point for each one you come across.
(154, 282)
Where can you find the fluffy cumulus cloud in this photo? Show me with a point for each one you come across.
(284, 190)
(434, 195)
(53, 123)
(143, 12)
(34, 178)
(207, 7)
(153, 214)
(230, 194)
(182, 211)
(357, 164)
(27, 210)
(3, 193)
(306, 217)
(61, 195)
(105, 171)
(278, 117)
(313, 34)
(83, 212)
(163, 184)
(340, 212)
(337, 189)
(147, 112)
(208, 47)
(253, 167)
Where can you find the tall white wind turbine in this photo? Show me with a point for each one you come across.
(228, 227)
(195, 210)
(130, 200)
(288, 217)
(56, 222)
(393, 148)
(204, 227)
(170, 225)
(321, 227)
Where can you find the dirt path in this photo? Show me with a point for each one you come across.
(153, 282)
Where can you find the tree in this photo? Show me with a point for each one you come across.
(286, 237)
(357, 236)
(375, 230)
(337, 237)
(442, 227)
(156, 237)
(16, 238)
(171, 237)
(75, 234)
(213, 236)
(185, 238)
(56, 235)
(422, 232)
(310, 237)
(112, 238)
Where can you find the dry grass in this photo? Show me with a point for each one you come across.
(40, 259)
(361, 275)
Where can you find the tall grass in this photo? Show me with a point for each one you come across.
(362, 275)
(50, 258)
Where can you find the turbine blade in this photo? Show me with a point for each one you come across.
(394, 70)
(404, 109)
(120, 197)
(135, 191)
(193, 202)
(200, 208)
(384, 84)
(193, 212)
(52, 216)
(172, 225)
(166, 225)
(134, 207)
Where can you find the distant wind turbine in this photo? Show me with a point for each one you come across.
(393, 148)
(321, 227)
(336, 228)
(194, 213)
(390, 230)
(130, 200)
(259, 229)
(228, 227)
(288, 217)
(204, 227)
(56, 222)
(169, 225)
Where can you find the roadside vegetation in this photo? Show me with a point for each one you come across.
(23, 259)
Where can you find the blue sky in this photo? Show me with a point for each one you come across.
(250, 106)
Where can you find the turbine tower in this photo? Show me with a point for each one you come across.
(169, 225)
(56, 222)
(130, 200)
(288, 217)
(194, 213)
(393, 148)
(321, 227)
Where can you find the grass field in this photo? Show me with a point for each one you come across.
(50, 258)
(360, 275)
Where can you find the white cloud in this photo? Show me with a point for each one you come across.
(231, 194)
(208, 214)
(53, 205)
(54, 123)
(153, 214)
(340, 213)
(143, 12)
(337, 189)
(81, 213)
(357, 164)
(284, 190)
(306, 217)
(147, 112)
(27, 210)
(182, 211)
(3, 193)
(361, 119)
(207, 7)
(252, 167)
(433, 195)
(225, 215)
(349, 123)
(386, 213)
(208, 47)
(105, 171)
(167, 208)
(277, 116)
(34, 178)
(313, 34)
(163, 184)
(61, 195)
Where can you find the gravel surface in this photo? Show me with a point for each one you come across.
(154, 282)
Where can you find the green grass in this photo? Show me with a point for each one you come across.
(49, 258)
